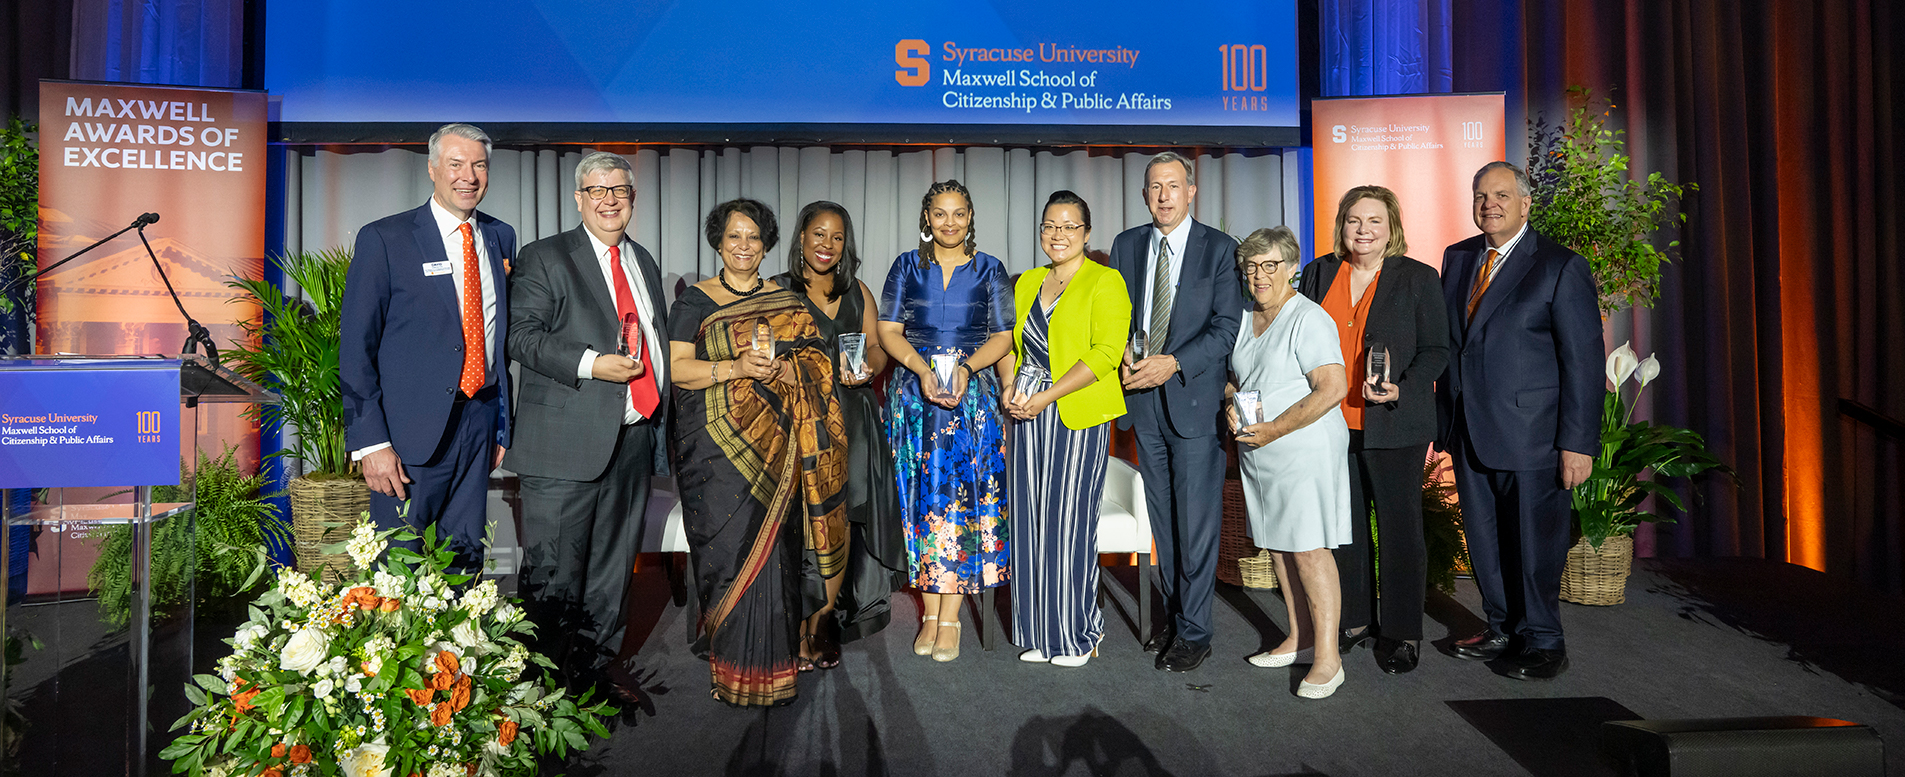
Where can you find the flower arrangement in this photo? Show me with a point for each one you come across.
(405, 671)
(1608, 503)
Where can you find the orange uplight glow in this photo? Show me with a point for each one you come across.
(1804, 452)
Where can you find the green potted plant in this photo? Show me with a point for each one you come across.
(1585, 200)
(223, 547)
(293, 350)
(1608, 507)
(19, 231)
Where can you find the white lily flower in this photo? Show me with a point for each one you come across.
(1649, 370)
(1621, 364)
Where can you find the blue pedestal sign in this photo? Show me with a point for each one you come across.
(89, 422)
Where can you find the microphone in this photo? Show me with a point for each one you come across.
(145, 219)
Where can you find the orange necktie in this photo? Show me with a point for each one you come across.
(474, 352)
(1481, 283)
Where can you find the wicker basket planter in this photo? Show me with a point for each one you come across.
(1239, 560)
(1598, 577)
(323, 513)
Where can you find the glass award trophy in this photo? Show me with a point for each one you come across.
(853, 354)
(631, 340)
(763, 336)
(1137, 345)
(944, 365)
(1249, 407)
(1030, 377)
(1378, 366)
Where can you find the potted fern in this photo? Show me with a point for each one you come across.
(1610, 504)
(293, 350)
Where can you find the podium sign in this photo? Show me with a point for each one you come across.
(73, 423)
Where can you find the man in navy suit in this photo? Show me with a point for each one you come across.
(426, 387)
(1519, 412)
(1186, 302)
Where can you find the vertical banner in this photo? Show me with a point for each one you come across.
(1425, 148)
(196, 157)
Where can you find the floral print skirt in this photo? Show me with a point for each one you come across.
(951, 469)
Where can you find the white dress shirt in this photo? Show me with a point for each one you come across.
(450, 228)
(1178, 238)
(1501, 254)
(632, 272)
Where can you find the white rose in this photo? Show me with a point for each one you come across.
(323, 688)
(468, 635)
(366, 760)
(354, 683)
(338, 665)
(305, 651)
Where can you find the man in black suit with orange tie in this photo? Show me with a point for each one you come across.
(1519, 412)
(586, 325)
(425, 385)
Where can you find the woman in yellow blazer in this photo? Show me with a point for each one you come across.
(1068, 338)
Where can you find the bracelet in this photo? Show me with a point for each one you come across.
(968, 367)
(711, 368)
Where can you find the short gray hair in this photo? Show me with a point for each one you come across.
(465, 131)
(1190, 171)
(602, 161)
(1266, 240)
(1521, 178)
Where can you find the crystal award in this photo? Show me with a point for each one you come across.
(853, 352)
(1249, 407)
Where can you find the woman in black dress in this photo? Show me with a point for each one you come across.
(822, 265)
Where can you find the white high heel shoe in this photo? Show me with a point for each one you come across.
(1033, 657)
(1269, 660)
(1309, 691)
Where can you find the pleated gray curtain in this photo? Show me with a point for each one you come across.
(331, 192)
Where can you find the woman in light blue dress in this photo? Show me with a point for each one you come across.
(1294, 460)
(948, 300)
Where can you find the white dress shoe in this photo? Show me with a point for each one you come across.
(1308, 691)
(1071, 661)
(1269, 660)
(1033, 657)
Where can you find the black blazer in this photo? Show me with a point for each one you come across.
(1526, 373)
(1408, 317)
(1204, 320)
(560, 306)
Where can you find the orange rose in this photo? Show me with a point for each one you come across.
(460, 697)
(442, 681)
(470, 769)
(300, 754)
(440, 714)
(243, 700)
(388, 605)
(272, 772)
(446, 662)
(277, 750)
(420, 695)
(506, 733)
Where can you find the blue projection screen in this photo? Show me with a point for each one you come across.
(944, 66)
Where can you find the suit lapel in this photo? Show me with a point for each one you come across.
(1193, 247)
(1520, 262)
(430, 247)
(1133, 281)
(589, 268)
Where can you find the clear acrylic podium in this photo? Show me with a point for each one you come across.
(87, 696)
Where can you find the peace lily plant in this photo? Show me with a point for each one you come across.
(1634, 454)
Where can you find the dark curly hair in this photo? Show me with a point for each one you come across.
(926, 225)
(717, 223)
(844, 270)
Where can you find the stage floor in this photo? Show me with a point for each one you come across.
(1713, 638)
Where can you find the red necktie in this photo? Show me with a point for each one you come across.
(474, 351)
(641, 391)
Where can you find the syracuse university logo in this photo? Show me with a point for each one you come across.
(915, 69)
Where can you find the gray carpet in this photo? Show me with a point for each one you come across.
(1688, 643)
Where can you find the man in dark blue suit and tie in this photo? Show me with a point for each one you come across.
(426, 387)
(1520, 415)
(1187, 302)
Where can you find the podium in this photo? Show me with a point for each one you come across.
(89, 438)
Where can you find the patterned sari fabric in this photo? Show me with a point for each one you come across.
(750, 457)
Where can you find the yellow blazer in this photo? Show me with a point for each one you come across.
(1089, 324)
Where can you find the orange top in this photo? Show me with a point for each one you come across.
(1351, 319)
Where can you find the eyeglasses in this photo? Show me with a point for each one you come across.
(622, 192)
(1266, 267)
(1060, 229)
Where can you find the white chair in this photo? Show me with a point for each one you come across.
(662, 532)
(1124, 526)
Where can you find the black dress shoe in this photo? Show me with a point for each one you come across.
(1350, 638)
(1486, 646)
(1160, 640)
(1536, 664)
(1396, 656)
(1183, 656)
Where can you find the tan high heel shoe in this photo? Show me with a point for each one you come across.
(923, 644)
(943, 655)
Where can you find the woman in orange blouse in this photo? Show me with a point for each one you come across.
(1381, 298)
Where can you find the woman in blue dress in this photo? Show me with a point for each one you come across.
(948, 303)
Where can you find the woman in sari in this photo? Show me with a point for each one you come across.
(759, 445)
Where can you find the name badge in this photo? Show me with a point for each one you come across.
(431, 269)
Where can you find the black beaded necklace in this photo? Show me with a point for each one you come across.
(759, 282)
